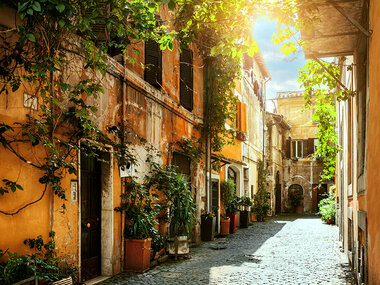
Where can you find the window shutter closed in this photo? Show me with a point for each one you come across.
(153, 64)
(287, 148)
(308, 147)
(186, 79)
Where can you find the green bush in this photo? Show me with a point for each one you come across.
(229, 198)
(261, 205)
(42, 263)
(327, 208)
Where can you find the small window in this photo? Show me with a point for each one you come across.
(153, 64)
(186, 79)
(297, 149)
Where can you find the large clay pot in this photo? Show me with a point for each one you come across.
(244, 219)
(233, 222)
(207, 227)
(299, 209)
(253, 217)
(137, 255)
(224, 227)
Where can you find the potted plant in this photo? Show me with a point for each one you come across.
(224, 225)
(208, 221)
(181, 209)
(245, 202)
(231, 202)
(141, 210)
(327, 208)
(232, 208)
(261, 205)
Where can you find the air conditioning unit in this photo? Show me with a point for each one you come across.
(127, 170)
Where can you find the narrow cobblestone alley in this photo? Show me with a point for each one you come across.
(282, 250)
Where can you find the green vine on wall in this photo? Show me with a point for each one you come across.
(321, 91)
(37, 58)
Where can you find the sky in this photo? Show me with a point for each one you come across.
(283, 70)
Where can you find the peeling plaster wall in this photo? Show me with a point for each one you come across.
(153, 115)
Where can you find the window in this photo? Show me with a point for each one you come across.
(232, 175)
(297, 148)
(315, 145)
(153, 64)
(186, 79)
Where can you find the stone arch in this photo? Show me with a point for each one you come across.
(307, 191)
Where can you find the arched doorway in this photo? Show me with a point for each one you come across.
(295, 195)
(277, 190)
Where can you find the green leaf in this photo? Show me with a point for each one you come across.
(60, 7)
(31, 37)
(61, 23)
(36, 6)
(171, 5)
(30, 12)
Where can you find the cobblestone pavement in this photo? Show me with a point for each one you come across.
(283, 250)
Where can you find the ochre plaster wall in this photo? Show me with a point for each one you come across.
(373, 155)
(160, 111)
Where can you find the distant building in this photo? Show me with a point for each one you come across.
(300, 169)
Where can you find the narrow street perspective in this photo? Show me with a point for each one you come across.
(289, 249)
(189, 142)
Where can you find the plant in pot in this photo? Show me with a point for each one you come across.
(327, 208)
(141, 209)
(208, 221)
(224, 225)
(182, 210)
(261, 205)
(230, 202)
(245, 203)
(295, 199)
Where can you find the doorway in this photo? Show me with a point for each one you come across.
(278, 194)
(90, 171)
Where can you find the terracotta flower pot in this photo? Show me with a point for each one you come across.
(253, 217)
(233, 222)
(224, 227)
(137, 255)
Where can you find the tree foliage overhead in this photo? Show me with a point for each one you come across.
(36, 57)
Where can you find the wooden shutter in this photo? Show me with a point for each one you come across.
(186, 79)
(287, 148)
(153, 64)
(243, 118)
(308, 147)
(238, 116)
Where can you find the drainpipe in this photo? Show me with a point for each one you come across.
(123, 112)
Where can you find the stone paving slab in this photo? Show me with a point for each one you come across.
(283, 250)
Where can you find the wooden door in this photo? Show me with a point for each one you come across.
(278, 199)
(90, 217)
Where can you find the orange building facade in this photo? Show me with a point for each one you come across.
(157, 109)
(356, 44)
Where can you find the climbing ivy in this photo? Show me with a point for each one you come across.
(321, 92)
(37, 57)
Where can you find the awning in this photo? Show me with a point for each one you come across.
(336, 29)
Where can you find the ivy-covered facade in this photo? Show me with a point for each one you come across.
(148, 104)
